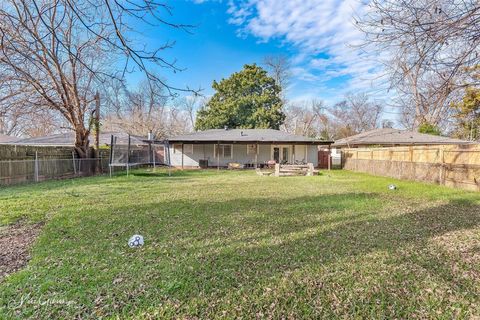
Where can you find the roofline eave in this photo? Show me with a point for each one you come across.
(320, 142)
(388, 144)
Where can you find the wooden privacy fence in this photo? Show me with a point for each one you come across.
(450, 165)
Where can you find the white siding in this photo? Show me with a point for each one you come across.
(206, 151)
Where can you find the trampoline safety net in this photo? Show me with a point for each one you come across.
(132, 151)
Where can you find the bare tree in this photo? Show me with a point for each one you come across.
(146, 110)
(426, 46)
(304, 117)
(137, 111)
(190, 105)
(279, 68)
(356, 114)
(55, 55)
(29, 122)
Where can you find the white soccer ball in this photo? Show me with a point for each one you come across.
(392, 187)
(135, 241)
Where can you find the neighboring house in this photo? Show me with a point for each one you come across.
(68, 139)
(7, 139)
(248, 147)
(388, 137)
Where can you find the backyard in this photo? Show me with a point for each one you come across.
(232, 244)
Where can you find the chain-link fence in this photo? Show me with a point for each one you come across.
(25, 171)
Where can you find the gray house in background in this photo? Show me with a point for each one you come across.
(7, 139)
(67, 139)
(247, 147)
(388, 137)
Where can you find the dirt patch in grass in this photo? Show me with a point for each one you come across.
(15, 243)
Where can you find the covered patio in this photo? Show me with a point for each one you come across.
(250, 148)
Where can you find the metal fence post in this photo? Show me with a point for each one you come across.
(154, 158)
(36, 166)
(74, 164)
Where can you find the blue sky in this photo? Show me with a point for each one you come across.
(315, 34)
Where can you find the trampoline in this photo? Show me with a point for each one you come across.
(134, 151)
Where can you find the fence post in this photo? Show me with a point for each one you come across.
(356, 161)
(372, 165)
(74, 165)
(442, 165)
(10, 172)
(36, 166)
(154, 158)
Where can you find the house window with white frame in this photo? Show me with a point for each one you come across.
(251, 149)
(177, 148)
(223, 150)
(187, 148)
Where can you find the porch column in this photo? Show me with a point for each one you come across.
(218, 156)
(256, 156)
(292, 156)
(182, 156)
(329, 158)
(306, 153)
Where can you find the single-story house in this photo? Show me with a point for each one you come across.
(247, 147)
(388, 137)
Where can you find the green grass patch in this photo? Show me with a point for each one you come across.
(234, 244)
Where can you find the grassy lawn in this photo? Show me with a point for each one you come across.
(233, 244)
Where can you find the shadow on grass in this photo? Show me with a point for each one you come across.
(202, 258)
(117, 178)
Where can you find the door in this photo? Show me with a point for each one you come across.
(285, 155)
(323, 158)
(276, 154)
(281, 154)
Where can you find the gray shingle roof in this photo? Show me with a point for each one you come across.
(245, 136)
(5, 139)
(68, 139)
(388, 136)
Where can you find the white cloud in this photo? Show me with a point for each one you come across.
(322, 31)
(324, 37)
(303, 74)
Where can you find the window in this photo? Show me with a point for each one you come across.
(223, 150)
(251, 148)
(188, 148)
(177, 148)
(227, 151)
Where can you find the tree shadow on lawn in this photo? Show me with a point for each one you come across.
(265, 259)
(164, 172)
(120, 178)
(205, 257)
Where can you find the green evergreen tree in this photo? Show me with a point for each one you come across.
(247, 99)
(429, 128)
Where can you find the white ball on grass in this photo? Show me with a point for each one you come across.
(392, 187)
(135, 241)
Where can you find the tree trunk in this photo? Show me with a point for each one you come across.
(82, 143)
